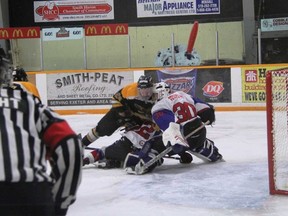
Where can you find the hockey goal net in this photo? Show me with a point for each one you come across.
(277, 130)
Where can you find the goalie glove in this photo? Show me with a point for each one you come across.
(208, 114)
(135, 162)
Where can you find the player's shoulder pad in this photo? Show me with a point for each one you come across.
(130, 90)
(30, 87)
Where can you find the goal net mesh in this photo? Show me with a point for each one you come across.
(277, 120)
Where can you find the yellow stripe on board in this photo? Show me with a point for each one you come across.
(103, 111)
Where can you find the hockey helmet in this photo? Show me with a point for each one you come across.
(145, 82)
(19, 74)
(144, 86)
(161, 90)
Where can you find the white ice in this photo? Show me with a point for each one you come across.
(236, 187)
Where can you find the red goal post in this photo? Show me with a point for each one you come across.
(277, 130)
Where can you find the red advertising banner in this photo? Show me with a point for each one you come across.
(70, 10)
(46, 13)
(106, 29)
(20, 33)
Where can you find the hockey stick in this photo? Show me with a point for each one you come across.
(172, 157)
(167, 150)
(90, 148)
(197, 129)
(156, 158)
(168, 157)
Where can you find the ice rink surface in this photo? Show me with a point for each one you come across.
(237, 187)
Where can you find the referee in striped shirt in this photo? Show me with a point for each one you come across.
(40, 155)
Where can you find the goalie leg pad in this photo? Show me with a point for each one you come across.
(208, 152)
(196, 141)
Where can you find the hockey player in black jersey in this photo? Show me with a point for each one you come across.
(133, 107)
(31, 136)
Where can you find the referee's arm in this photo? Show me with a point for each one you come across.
(65, 152)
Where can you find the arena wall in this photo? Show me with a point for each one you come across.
(228, 88)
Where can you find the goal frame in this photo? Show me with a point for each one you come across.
(269, 111)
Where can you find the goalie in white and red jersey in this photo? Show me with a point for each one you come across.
(182, 120)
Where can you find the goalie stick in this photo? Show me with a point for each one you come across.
(167, 150)
(168, 157)
(90, 148)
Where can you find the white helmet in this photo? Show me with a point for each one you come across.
(161, 90)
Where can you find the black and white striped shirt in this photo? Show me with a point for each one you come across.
(32, 133)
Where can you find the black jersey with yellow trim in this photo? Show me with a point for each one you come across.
(129, 96)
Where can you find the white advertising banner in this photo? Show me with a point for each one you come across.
(85, 88)
(69, 10)
(52, 34)
(160, 8)
(276, 24)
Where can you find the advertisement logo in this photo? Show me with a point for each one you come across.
(91, 30)
(106, 30)
(32, 33)
(17, 33)
(120, 29)
(50, 11)
(213, 89)
(251, 76)
(4, 34)
(184, 84)
(62, 32)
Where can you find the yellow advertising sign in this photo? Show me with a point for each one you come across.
(254, 83)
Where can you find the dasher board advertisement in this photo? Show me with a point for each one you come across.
(19, 33)
(85, 88)
(62, 33)
(161, 8)
(210, 85)
(68, 11)
(254, 83)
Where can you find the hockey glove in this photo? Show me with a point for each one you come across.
(135, 164)
(208, 115)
